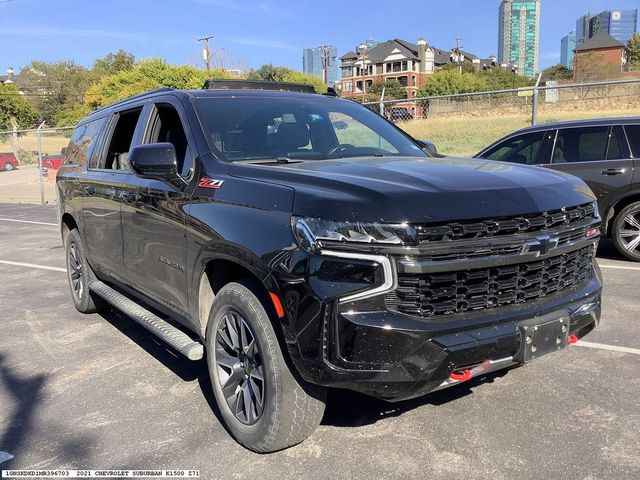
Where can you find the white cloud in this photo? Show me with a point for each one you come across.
(49, 32)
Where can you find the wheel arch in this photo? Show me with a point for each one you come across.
(618, 206)
(67, 223)
(218, 271)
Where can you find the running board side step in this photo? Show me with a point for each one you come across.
(165, 331)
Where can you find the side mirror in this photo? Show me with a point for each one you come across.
(428, 147)
(155, 161)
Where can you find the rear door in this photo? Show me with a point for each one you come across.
(102, 195)
(633, 135)
(598, 155)
(154, 217)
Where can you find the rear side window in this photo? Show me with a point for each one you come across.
(523, 149)
(617, 144)
(581, 145)
(633, 134)
(83, 143)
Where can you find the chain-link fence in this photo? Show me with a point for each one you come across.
(554, 97)
(462, 125)
(30, 160)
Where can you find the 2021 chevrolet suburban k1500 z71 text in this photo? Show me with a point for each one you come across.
(241, 222)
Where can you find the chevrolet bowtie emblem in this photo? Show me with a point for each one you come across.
(542, 246)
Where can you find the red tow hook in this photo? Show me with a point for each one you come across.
(572, 339)
(461, 375)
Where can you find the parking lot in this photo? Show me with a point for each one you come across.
(98, 392)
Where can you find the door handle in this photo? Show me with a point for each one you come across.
(612, 171)
(90, 190)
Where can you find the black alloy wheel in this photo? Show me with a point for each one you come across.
(626, 231)
(240, 368)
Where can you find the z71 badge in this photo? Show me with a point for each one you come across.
(206, 182)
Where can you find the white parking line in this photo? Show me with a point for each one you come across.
(27, 221)
(33, 265)
(619, 267)
(613, 348)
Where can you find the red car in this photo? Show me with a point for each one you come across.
(8, 161)
(53, 162)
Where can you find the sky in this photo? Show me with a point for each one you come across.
(254, 32)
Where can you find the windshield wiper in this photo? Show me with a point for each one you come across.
(268, 160)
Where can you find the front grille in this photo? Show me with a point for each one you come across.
(497, 227)
(430, 295)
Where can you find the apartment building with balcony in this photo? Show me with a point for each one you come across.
(410, 64)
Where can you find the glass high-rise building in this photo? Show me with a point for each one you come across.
(583, 28)
(312, 62)
(518, 35)
(620, 24)
(567, 46)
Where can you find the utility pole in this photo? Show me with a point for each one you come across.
(458, 55)
(206, 53)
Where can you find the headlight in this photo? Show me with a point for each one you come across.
(312, 232)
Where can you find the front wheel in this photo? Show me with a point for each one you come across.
(79, 274)
(263, 405)
(626, 231)
(8, 167)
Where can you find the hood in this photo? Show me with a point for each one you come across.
(397, 189)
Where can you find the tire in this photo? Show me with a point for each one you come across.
(79, 275)
(8, 167)
(626, 231)
(290, 410)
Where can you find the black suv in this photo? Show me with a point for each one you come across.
(302, 242)
(604, 153)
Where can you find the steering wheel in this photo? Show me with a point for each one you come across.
(340, 148)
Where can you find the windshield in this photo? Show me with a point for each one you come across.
(314, 127)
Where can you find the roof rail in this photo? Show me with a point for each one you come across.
(215, 84)
(133, 97)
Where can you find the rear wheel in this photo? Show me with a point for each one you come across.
(263, 405)
(8, 166)
(626, 231)
(79, 274)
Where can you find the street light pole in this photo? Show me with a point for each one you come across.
(206, 54)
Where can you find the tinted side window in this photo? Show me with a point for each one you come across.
(82, 146)
(633, 134)
(586, 144)
(523, 149)
(617, 144)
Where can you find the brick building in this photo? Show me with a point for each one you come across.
(396, 59)
(597, 54)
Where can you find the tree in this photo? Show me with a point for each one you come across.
(393, 90)
(272, 73)
(15, 112)
(54, 86)
(556, 72)
(634, 57)
(452, 82)
(112, 63)
(502, 79)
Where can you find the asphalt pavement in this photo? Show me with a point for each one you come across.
(99, 392)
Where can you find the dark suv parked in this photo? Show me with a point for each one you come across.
(302, 242)
(604, 153)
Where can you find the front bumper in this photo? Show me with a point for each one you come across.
(397, 357)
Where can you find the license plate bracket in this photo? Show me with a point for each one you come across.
(541, 336)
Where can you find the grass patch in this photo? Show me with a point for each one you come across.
(465, 137)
